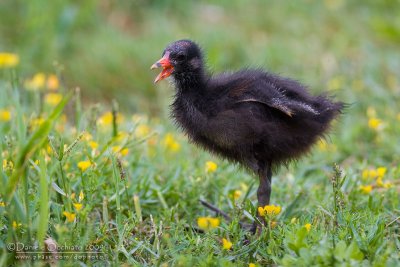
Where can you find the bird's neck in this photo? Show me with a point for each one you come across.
(190, 81)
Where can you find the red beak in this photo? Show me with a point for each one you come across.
(165, 63)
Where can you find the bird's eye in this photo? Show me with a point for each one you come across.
(180, 57)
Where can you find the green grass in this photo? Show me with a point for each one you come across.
(140, 194)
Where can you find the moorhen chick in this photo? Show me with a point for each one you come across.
(255, 118)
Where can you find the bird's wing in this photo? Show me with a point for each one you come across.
(273, 103)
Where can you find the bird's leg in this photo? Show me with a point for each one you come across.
(263, 192)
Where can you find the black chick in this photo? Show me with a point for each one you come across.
(255, 118)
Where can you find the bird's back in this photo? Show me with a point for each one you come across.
(285, 118)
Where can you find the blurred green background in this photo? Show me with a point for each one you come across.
(106, 47)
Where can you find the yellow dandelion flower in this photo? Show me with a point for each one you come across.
(69, 216)
(252, 265)
(226, 244)
(87, 136)
(388, 185)
(37, 82)
(308, 226)
(322, 145)
(93, 145)
(52, 82)
(207, 223)
(373, 173)
(293, 220)
(366, 189)
(124, 151)
(202, 222)
(16, 225)
(379, 182)
(83, 165)
(213, 222)
(53, 99)
(365, 174)
(236, 194)
(8, 60)
(2, 204)
(170, 143)
(78, 206)
(5, 115)
(211, 167)
(107, 119)
(73, 195)
(375, 123)
(142, 130)
(8, 165)
(261, 211)
(81, 196)
(381, 171)
(269, 210)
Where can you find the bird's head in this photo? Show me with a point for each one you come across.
(179, 58)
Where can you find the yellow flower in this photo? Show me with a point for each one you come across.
(117, 149)
(236, 194)
(170, 143)
(36, 83)
(52, 82)
(293, 220)
(81, 196)
(53, 99)
(379, 182)
(388, 185)
(93, 145)
(2, 204)
(308, 226)
(381, 171)
(15, 225)
(124, 151)
(269, 210)
(252, 265)
(213, 222)
(142, 130)
(273, 224)
(5, 115)
(8, 165)
(73, 195)
(366, 189)
(87, 136)
(322, 145)
(107, 119)
(34, 123)
(226, 244)
(8, 60)
(78, 206)
(69, 216)
(207, 223)
(365, 174)
(83, 165)
(211, 166)
(375, 123)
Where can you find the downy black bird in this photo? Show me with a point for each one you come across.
(255, 118)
